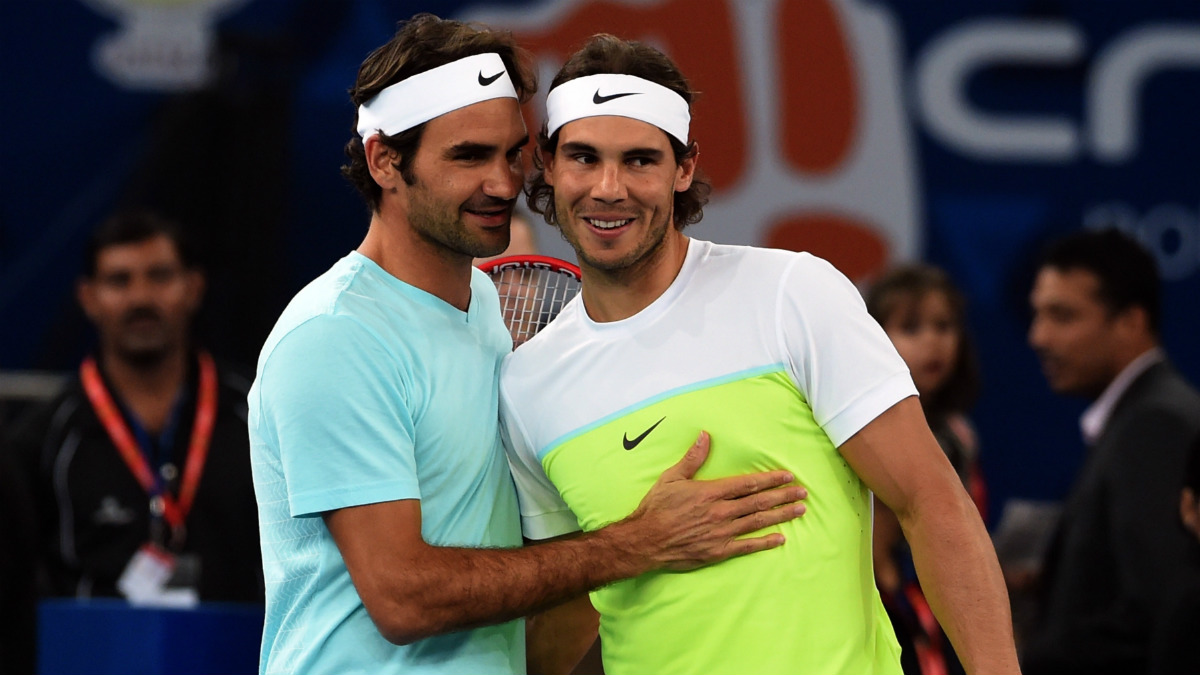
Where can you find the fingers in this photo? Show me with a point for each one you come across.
(692, 460)
(767, 500)
(754, 544)
(740, 486)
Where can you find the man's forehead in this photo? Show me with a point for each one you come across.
(492, 122)
(613, 132)
(1068, 283)
(153, 250)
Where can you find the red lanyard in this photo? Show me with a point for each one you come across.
(175, 512)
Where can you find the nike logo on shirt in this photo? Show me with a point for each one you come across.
(629, 445)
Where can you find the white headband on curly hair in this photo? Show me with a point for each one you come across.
(620, 95)
(435, 92)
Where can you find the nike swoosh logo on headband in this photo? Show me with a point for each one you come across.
(598, 99)
(485, 81)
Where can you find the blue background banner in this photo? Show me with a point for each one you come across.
(965, 134)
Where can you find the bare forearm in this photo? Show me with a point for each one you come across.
(413, 590)
(557, 639)
(961, 578)
(451, 589)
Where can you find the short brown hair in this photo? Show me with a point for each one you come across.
(422, 43)
(606, 53)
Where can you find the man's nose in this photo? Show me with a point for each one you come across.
(504, 181)
(609, 185)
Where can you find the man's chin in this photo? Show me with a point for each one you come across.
(143, 358)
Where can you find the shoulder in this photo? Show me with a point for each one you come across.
(60, 409)
(798, 279)
(47, 424)
(1159, 395)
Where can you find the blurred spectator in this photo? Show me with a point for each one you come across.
(924, 315)
(139, 470)
(1175, 648)
(1119, 556)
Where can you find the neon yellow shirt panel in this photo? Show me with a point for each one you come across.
(809, 606)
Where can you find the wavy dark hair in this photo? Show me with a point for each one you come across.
(604, 54)
(900, 291)
(422, 43)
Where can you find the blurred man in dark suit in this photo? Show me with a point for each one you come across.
(1119, 554)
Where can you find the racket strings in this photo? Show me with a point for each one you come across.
(530, 298)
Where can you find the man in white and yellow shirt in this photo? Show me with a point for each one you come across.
(774, 354)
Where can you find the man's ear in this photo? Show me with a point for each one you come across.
(686, 170)
(547, 166)
(1189, 511)
(196, 285)
(85, 294)
(1133, 322)
(383, 162)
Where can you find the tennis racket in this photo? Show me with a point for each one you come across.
(533, 290)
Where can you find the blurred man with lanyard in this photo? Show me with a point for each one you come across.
(140, 468)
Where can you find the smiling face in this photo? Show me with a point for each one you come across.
(614, 181)
(466, 174)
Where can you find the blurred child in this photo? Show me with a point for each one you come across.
(923, 314)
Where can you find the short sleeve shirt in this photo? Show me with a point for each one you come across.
(774, 354)
(371, 390)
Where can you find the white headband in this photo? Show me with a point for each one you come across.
(620, 95)
(424, 96)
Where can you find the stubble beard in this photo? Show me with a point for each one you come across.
(442, 225)
(650, 244)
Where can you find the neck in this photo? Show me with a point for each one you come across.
(402, 252)
(147, 391)
(1130, 353)
(613, 295)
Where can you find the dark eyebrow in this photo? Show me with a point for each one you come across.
(576, 146)
(653, 153)
(521, 143)
(475, 148)
(470, 148)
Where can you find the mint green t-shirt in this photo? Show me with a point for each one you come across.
(371, 390)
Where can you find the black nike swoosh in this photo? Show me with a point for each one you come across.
(485, 81)
(598, 99)
(629, 445)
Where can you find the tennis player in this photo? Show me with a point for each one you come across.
(771, 350)
(388, 515)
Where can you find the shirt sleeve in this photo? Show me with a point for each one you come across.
(840, 358)
(543, 512)
(335, 400)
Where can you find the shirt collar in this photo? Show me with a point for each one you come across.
(1095, 418)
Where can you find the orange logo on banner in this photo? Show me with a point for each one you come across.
(820, 118)
(717, 121)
